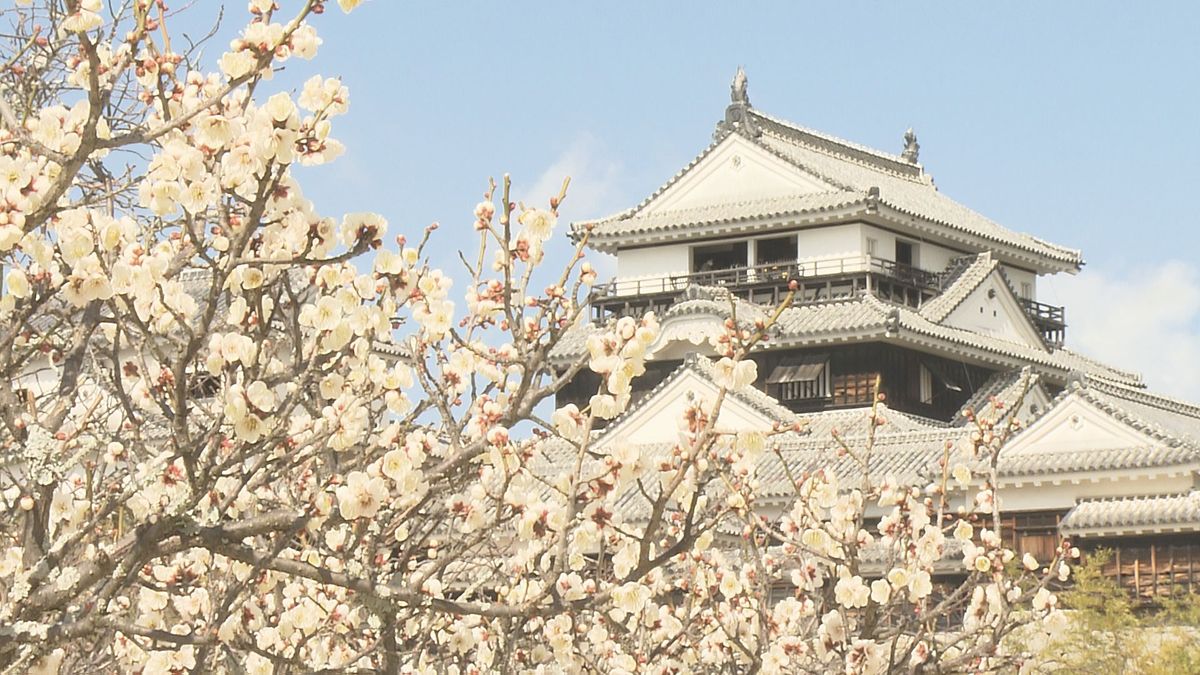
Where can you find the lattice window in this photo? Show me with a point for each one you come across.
(854, 388)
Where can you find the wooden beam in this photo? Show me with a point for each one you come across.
(1191, 574)
(1154, 569)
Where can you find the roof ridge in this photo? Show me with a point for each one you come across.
(1161, 401)
(755, 398)
(829, 143)
(1127, 374)
(997, 385)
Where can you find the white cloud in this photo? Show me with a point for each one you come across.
(594, 178)
(1146, 320)
(594, 190)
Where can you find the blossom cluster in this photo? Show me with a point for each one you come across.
(240, 435)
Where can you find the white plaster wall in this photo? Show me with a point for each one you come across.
(653, 261)
(929, 256)
(992, 316)
(1017, 277)
(830, 242)
(1030, 497)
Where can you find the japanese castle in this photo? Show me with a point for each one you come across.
(893, 281)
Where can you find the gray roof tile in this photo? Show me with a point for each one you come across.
(1134, 515)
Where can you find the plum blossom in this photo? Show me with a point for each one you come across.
(361, 496)
(735, 375)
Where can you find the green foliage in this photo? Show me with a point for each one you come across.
(1109, 633)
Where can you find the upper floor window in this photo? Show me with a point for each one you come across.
(1026, 290)
(872, 244)
(719, 256)
(906, 253)
(775, 250)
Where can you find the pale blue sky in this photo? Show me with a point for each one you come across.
(1077, 122)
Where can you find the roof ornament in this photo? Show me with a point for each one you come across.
(737, 88)
(911, 147)
(873, 199)
(737, 114)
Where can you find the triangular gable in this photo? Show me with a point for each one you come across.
(1076, 425)
(993, 310)
(736, 170)
(657, 417)
(1006, 387)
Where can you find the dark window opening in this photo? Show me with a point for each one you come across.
(939, 379)
(775, 250)
(718, 256)
(906, 253)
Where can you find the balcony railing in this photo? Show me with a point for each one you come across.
(771, 273)
(818, 280)
(1049, 319)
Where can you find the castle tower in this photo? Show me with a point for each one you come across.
(895, 281)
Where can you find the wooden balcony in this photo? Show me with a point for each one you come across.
(817, 281)
(1049, 319)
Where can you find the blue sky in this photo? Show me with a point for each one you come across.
(1074, 121)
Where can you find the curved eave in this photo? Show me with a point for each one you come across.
(1035, 476)
(856, 209)
(1133, 530)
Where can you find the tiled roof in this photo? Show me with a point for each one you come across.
(835, 316)
(572, 344)
(959, 286)
(725, 216)
(1092, 459)
(863, 177)
(903, 189)
(1172, 428)
(854, 422)
(1163, 418)
(910, 456)
(1059, 359)
(867, 316)
(1004, 386)
(910, 448)
(1134, 515)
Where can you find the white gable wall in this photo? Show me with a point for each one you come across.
(657, 419)
(991, 310)
(736, 171)
(1074, 425)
